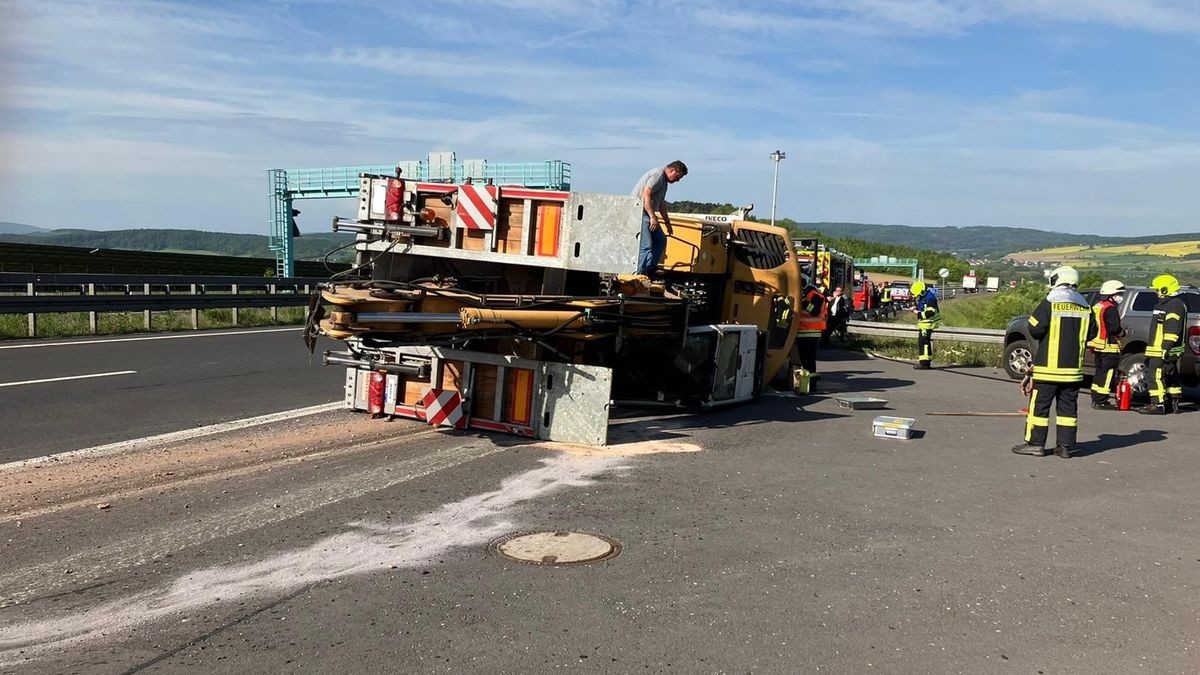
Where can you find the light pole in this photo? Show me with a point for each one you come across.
(778, 156)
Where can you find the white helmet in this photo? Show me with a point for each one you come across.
(1112, 287)
(1064, 276)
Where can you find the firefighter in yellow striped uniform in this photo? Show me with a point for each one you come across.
(1106, 346)
(1165, 348)
(1062, 324)
(929, 318)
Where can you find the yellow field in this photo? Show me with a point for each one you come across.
(1175, 249)
(1060, 250)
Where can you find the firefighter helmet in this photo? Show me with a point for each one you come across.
(1165, 284)
(1112, 287)
(1064, 276)
(918, 288)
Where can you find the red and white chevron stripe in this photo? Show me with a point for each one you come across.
(477, 206)
(443, 408)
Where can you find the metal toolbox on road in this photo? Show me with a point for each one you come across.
(886, 426)
(861, 402)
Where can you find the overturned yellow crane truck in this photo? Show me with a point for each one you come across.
(510, 309)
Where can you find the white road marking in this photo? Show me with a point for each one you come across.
(363, 547)
(294, 329)
(68, 377)
(146, 545)
(172, 437)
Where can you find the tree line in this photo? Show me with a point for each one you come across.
(930, 259)
(307, 247)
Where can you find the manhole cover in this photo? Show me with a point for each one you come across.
(556, 548)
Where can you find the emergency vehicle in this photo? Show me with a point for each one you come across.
(832, 267)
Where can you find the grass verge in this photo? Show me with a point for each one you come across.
(945, 352)
(66, 324)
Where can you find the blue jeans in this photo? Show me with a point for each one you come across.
(650, 247)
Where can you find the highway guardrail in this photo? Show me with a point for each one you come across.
(993, 336)
(33, 294)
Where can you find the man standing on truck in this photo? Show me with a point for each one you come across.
(1062, 324)
(929, 318)
(651, 189)
(1106, 346)
(1165, 348)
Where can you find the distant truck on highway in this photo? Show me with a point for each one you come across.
(969, 283)
(1136, 318)
(993, 284)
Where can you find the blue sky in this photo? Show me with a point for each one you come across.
(1072, 115)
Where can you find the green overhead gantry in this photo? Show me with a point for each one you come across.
(288, 185)
(887, 261)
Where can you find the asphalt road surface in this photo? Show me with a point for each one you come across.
(779, 537)
(58, 395)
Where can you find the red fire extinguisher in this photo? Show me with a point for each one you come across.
(1124, 394)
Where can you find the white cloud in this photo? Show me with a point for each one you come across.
(942, 17)
(211, 96)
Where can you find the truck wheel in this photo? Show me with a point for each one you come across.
(1018, 359)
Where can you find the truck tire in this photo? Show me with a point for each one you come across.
(1018, 358)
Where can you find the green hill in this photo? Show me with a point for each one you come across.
(929, 259)
(979, 241)
(307, 247)
(7, 227)
(856, 245)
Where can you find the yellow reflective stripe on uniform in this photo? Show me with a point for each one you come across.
(1032, 420)
(1159, 388)
(1172, 314)
(1046, 370)
(1052, 343)
(1066, 421)
(1105, 386)
(1056, 372)
(1157, 341)
(1173, 337)
(1075, 377)
(1033, 320)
